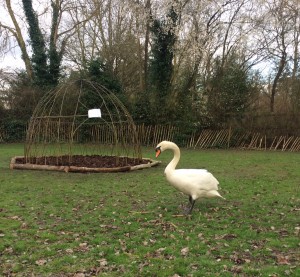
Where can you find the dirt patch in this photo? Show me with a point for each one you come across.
(93, 161)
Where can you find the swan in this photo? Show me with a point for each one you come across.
(196, 183)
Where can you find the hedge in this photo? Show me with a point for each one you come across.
(13, 131)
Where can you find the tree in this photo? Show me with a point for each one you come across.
(113, 34)
(21, 97)
(229, 90)
(295, 86)
(41, 76)
(163, 57)
(161, 62)
(276, 30)
(98, 72)
(44, 66)
(15, 32)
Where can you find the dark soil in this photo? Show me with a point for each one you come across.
(94, 161)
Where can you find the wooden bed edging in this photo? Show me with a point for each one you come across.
(14, 165)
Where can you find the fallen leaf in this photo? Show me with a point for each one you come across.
(200, 235)
(103, 262)
(282, 260)
(79, 275)
(287, 272)
(236, 269)
(41, 262)
(83, 245)
(184, 251)
(15, 217)
(161, 249)
(152, 241)
(8, 250)
(142, 265)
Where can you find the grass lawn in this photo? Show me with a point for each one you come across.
(127, 224)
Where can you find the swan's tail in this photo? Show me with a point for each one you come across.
(214, 193)
(222, 197)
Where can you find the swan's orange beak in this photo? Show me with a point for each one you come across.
(158, 151)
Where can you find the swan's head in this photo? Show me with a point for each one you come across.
(164, 145)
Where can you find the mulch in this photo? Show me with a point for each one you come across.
(93, 161)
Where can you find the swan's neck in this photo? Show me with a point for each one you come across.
(172, 165)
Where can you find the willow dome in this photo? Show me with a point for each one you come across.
(82, 119)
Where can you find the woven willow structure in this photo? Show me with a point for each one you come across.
(60, 125)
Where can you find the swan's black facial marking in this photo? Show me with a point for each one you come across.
(158, 151)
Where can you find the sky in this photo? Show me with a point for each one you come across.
(11, 62)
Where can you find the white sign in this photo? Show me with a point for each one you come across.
(94, 113)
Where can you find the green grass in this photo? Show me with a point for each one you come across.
(126, 224)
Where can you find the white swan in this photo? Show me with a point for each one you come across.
(196, 183)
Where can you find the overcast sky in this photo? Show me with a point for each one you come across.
(10, 62)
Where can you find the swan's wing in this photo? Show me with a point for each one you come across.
(191, 172)
(194, 179)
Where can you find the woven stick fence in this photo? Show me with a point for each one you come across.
(247, 140)
(152, 135)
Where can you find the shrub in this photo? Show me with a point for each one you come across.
(13, 130)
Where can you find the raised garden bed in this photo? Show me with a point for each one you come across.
(81, 163)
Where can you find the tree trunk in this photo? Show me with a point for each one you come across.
(18, 35)
(275, 83)
(148, 8)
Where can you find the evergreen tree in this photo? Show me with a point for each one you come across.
(45, 62)
(55, 57)
(39, 56)
(98, 72)
(161, 58)
(229, 90)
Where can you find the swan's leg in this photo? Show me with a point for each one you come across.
(192, 202)
(192, 205)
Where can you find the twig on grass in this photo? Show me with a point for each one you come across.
(136, 212)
